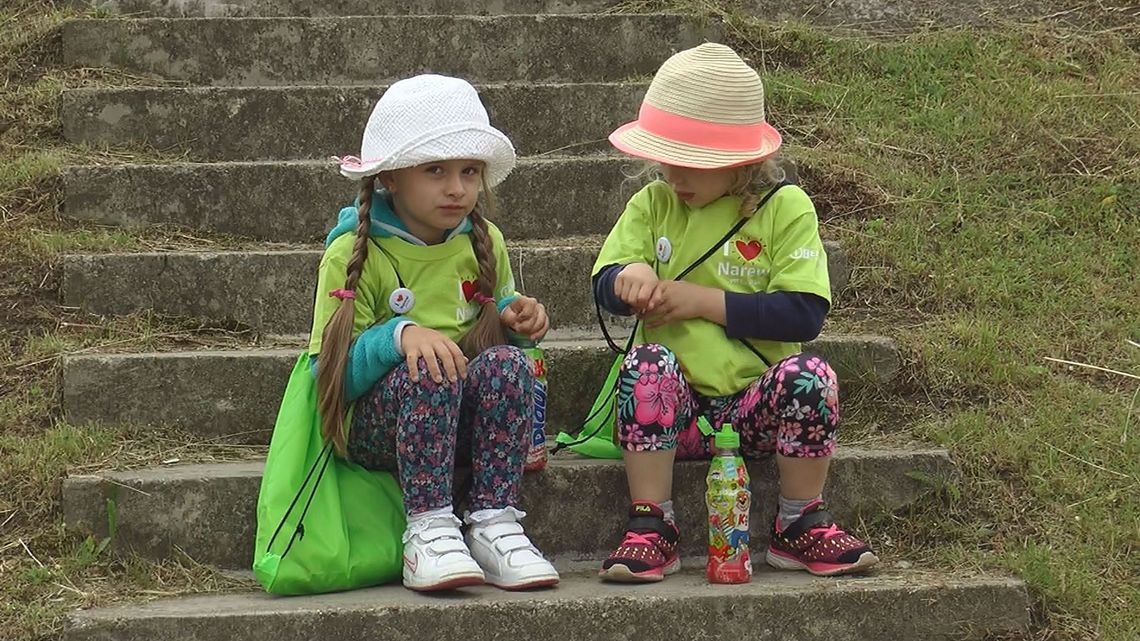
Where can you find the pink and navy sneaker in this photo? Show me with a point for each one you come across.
(649, 550)
(815, 543)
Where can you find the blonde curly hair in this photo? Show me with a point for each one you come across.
(752, 181)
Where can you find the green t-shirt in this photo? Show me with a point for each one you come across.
(779, 249)
(441, 277)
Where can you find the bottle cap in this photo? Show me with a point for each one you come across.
(727, 438)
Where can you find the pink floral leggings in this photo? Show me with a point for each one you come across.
(793, 409)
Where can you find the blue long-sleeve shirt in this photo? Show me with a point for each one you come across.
(794, 317)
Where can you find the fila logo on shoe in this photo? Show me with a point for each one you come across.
(642, 508)
(412, 562)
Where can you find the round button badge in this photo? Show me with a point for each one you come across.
(664, 249)
(401, 300)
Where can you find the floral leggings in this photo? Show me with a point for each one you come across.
(793, 409)
(416, 429)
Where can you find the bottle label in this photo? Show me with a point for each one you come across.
(539, 439)
(536, 455)
(729, 501)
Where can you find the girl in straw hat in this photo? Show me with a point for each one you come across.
(723, 264)
(414, 296)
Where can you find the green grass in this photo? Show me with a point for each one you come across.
(1005, 227)
(985, 183)
(44, 572)
(987, 187)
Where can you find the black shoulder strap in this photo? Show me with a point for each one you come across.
(732, 232)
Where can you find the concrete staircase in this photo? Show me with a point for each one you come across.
(259, 102)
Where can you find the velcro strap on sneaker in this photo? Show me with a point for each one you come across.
(447, 546)
(507, 537)
(818, 518)
(513, 543)
(647, 524)
(499, 515)
(438, 533)
(499, 530)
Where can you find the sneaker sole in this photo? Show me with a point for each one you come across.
(543, 582)
(452, 583)
(619, 573)
(781, 562)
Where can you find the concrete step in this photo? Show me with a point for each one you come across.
(304, 197)
(324, 8)
(374, 50)
(886, 606)
(576, 506)
(234, 395)
(887, 16)
(273, 291)
(299, 122)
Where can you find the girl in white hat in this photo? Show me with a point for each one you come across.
(723, 264)
(414, 299)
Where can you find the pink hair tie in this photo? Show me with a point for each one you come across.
(482, 298)
(343, 294)
(352, 162)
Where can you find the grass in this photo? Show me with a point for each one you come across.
(1003, 230)
(985, 182)
(45, 573)
(987, 186)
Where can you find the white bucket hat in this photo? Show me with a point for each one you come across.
(704, 109)
(425, 119)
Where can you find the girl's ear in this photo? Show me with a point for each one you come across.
(388, 181)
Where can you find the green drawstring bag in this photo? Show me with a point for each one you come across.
(596, 438)
(323, 524)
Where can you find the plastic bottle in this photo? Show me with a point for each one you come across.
(729, 499)
(536, 453)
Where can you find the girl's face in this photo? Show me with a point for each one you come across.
(434, 197)
(699, 187)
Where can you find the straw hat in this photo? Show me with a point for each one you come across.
(425, 119)
(704, 109)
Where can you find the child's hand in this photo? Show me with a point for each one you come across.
(676, 300)
(527, 317)
(436, 349)
(634, 285)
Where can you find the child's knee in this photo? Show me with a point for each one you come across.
(502, 360)
(807, 407)
(509, 358)
(446, 388)
(649, 357)
(651, 372)
(806, 374)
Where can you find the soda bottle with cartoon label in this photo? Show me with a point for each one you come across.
(536, 453)
(729, 499)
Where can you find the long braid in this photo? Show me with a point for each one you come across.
(488, 330)
(337, 336)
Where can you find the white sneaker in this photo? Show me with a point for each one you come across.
(508, 558)
(435, 557)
